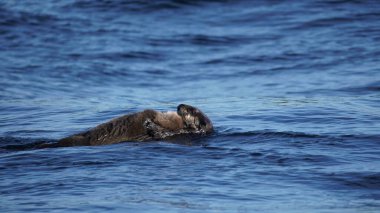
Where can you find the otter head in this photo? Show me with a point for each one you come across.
(194, 119)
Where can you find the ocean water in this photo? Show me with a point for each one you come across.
(292, 87)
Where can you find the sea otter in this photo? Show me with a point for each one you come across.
(142, 126)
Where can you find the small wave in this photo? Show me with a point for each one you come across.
(274, 63)
(117, 56)
(323, 22)
(336, 21)
(18, 143)
(298, 139)
(354, 180)
(134, 6)
(274, 134)
(265, 133)
(369, 88)
(208, 40)
(11, 18)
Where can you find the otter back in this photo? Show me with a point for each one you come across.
(125, 128)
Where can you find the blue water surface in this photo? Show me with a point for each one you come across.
(292, 87)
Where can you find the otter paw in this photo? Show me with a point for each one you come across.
(152, 129)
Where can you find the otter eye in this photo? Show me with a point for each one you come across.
(192, 111)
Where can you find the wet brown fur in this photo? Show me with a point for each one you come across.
(125, 128)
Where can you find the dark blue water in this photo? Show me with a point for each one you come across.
(292, 87)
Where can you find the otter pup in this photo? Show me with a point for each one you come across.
(141, 126)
